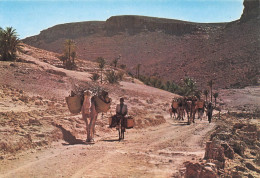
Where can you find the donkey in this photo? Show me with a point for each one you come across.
(190, 108)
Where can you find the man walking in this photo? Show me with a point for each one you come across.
(209, 111)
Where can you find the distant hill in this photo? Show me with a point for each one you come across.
(228, 53)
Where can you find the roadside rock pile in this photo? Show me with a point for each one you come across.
(233, 151)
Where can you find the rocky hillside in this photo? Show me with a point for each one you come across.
(33, 93)
(170, 49)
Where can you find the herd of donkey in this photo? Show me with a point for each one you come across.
(190, 106)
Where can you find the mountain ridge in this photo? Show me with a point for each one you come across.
(168, 49)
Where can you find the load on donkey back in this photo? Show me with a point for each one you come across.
(89, 104)
(189, 105)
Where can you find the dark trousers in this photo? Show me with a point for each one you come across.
(209, 116)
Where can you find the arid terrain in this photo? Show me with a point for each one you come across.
(39, 137)
(32, 104)
(169, 49)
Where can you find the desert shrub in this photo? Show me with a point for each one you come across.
(174, 87)
(167, 86)
(112, 77)
(145, 80)
(130, 74)
(95, 77)
(122, 66)
(159, 83)
(188, 87)
(154, 82)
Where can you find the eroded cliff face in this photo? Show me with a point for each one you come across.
(67, 31)
(114, 25)
(136, 24)
(251, 10)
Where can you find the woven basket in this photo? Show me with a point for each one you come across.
(74, 104)
(101, 106)
(175, 104)
(200, 104)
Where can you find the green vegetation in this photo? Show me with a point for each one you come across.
(95, 77)
(69, 55)
(215, 97)
(113, 77)
(138, 70)
(123, 66)
(189, 87)
(9, 44)
(101, 64)
(115, 61)
(186, 88)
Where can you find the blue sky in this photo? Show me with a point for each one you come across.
(29, 17)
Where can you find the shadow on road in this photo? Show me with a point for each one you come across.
(69, 138)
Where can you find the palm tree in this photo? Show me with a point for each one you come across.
(73, 56)
(215, 96)
(115, 61)
(206, 93)
(210, 84)
(69, 54)
(189, 86)
(138, 70)
(101, 64)
(10, 44)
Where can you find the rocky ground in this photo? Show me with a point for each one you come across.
(32, 105)
(232, 150)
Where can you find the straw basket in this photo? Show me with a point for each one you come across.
(200, 104)
(175, 104)
(74, 104)
(101, 106)
(130, 122)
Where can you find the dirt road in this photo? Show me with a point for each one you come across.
(151, 152)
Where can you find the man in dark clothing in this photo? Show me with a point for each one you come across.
(209, 111)
(121, 109)
(121, 112)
